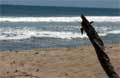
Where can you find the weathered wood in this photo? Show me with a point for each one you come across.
(99, 48)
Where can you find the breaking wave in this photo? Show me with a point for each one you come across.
(25, 33)
(60, 19)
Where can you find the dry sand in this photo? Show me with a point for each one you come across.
(56, 63)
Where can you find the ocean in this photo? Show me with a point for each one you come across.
(28, 27)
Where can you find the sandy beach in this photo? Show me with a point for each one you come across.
(56, 62)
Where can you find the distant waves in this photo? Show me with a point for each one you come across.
(60, 19)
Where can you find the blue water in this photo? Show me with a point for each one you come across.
(27, 27)
(13, 10)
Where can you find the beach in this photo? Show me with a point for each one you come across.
(46, 41)
(78, 62)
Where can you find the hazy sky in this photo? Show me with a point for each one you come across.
(78, 3)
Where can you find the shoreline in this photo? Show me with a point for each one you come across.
(81, 46)
(78, 62)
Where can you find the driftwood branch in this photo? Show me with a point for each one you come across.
(99, 48)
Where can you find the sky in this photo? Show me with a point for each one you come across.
(67, 3)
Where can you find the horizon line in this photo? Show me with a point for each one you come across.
(57, 6)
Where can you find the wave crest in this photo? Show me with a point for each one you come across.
(60, 19)
(26, 33)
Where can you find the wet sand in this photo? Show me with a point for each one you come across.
(56, 62)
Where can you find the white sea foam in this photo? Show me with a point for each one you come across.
(26, 33)
(60, 19)
(114, 32)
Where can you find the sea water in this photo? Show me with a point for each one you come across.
(27, 27)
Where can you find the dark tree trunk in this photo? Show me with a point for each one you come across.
(99, 48)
